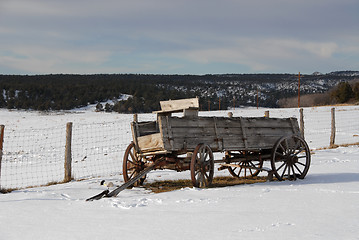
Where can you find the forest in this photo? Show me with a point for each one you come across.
(217, 91)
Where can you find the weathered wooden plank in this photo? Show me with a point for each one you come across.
(191, 144)
(162, 123)
(269, 131)
(244, 133)
(225, 132)
(179, 105)
(180, 131)
(135, 135)
(151, 142)
(146, 128)
(229, 142)
(231, 122)
(170, 133)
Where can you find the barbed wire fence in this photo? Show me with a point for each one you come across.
(35, 157)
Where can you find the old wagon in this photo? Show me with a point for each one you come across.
(188, 142)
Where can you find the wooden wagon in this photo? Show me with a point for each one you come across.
(188, 143)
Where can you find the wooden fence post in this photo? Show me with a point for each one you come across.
(68, 157)
(332, 135)
(301, 122)
(2, 127)
(266, 114)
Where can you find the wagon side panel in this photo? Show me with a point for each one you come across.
(187, 133)
(184, 134)
(264, 132)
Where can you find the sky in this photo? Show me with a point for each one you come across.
(178, 37)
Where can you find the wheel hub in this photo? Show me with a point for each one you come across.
(292, 159)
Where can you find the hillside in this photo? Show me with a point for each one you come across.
(220, 91)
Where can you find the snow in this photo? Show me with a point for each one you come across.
(324, 205)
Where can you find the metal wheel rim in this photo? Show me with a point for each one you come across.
(132, 165)
(202, 166)
(245, 169)
(290, 158)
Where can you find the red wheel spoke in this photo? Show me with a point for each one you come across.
(202, 166)
(133, 173)
(129, 169)
(132, 164)
(205, 175)
(132, 156)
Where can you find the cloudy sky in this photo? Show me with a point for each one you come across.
(178, 37)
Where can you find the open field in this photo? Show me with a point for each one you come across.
(322, 206)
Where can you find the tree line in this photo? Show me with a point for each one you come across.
(343, 92)
(217, 91)
(66, 91)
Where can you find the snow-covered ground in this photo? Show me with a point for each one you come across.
(322, 206)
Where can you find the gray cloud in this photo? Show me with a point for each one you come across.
(43, 36)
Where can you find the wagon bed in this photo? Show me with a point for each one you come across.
(182, 134)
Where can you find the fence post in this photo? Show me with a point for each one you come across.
(68, 157)
(301, 122)
(332, 135)
(2, 127)
(266, 114)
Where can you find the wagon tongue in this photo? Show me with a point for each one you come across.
(98, 196)
(127, 184)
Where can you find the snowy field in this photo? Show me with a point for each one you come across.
(322, 206)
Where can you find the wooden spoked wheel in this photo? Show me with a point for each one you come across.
(246, 168)
(290, 158)
(202, 166)
(132, 165)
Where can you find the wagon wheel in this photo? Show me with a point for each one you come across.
(290, 158)
(202, 166)
(247, 168)
(132, 165)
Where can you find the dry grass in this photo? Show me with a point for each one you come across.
(336, 146)
(9, 190)
(168, 185)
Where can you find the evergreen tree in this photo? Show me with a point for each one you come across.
(356, 91)
(343, 92)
